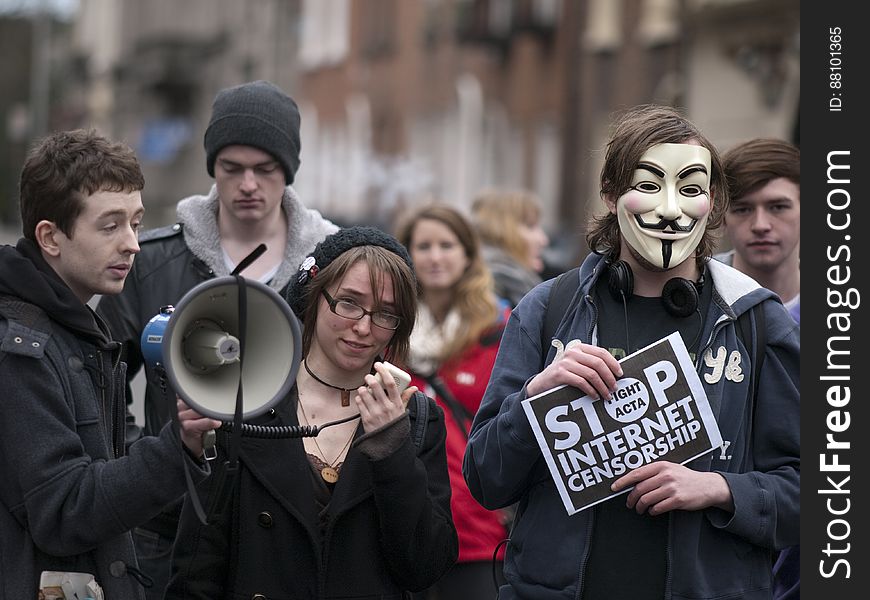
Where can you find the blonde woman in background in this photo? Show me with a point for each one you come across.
(509, 224)
(452, 350)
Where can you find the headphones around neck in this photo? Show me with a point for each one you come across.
(680, 296)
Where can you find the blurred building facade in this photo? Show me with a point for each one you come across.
(404, 101)
(438, 98)
(152, 69)
(35, 71)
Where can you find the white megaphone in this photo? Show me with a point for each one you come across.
(206, 346)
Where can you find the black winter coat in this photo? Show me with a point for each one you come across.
(69, 497)
(387, 529)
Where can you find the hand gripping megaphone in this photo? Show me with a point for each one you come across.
(209, 348)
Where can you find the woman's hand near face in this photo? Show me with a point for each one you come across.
(379, 404)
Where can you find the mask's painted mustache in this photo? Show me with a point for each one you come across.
(664, 224)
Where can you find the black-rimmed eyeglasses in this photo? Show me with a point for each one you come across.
(349, 310)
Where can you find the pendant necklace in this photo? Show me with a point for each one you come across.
(329, 470)
(345, 392)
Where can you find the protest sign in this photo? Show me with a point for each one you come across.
(659, 411)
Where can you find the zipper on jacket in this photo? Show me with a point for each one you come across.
(716, 329)
(110, 409)
(203, 269)
(590, 334)
(587, 545)
(109, 394)
(119, 403)
(668, 557)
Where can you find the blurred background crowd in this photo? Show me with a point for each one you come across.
(402, 101)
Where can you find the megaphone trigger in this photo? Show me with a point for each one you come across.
(209, 439)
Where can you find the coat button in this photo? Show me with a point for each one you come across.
(264, 519)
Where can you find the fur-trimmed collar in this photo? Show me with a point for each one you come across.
(305, 227)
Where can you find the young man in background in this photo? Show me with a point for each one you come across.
(252, 150)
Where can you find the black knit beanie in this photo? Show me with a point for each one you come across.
(255, 114)
(331, 248)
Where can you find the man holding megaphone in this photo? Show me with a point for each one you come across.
(252, 149)
(71, 493)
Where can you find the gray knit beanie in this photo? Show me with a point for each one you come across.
(255, 114)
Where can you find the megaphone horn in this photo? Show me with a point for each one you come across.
(197, 344)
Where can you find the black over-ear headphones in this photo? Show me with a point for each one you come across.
(680, 296)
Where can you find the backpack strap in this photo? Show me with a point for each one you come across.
(557, 304)
(460, 413)
(422, 419)
(756, 344)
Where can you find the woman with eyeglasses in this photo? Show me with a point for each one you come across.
(362, 510)
(453, 347)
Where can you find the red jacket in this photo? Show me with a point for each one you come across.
(479, 530)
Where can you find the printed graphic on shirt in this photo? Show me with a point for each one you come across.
(732, 369)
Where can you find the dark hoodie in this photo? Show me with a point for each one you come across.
(25, 275)
(70, 495)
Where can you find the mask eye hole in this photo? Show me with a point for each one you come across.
(647, 187)
(691, 190)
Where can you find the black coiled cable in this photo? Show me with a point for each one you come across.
(275, 432)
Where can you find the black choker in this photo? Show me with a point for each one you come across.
(345, 392)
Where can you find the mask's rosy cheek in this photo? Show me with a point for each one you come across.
(638, 203)
(696, 207)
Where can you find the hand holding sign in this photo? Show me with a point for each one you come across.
(656, 417)
(663, 486)
(583, 366)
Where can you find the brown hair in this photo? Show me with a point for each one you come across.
(635, 132)
(498, 215)
(382, 263)
(64, 168)
(474, 298)
(750, 165)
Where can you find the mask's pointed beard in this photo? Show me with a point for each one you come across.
(667, 251)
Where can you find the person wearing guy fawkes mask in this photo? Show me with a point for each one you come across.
(662, 218)
(706, 529)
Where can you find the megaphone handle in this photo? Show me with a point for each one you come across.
(209, 438)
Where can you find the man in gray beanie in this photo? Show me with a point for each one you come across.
(255, 114)
(252, 150)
